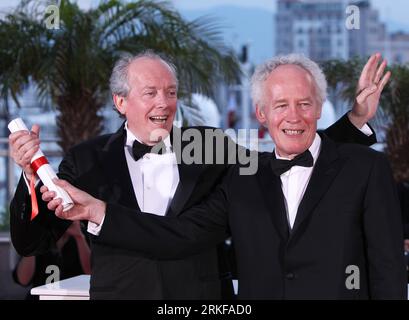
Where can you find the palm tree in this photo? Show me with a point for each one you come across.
(71, 65)
(393, 117)
(341, 77)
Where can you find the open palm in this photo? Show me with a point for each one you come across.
(370, 85)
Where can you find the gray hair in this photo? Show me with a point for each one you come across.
(263, 71)
(118, 82)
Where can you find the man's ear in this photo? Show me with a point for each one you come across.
(319, 111)
(261, 117)
(120, 103)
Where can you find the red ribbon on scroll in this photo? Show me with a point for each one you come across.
(35, 165)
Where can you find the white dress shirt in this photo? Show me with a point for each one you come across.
(154, 179)
(294, 182)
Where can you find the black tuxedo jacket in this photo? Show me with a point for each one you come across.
(118, 272)
(403, 193)
(346, 242)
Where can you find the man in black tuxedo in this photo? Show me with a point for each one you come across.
(109, 168)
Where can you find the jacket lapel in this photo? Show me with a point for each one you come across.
(270, 186)
(112, 158)
(188, 174)
(325, 170)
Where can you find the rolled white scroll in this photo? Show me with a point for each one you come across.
(44, 171)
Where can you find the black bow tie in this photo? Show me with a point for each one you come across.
(140, 149)
(280, 166)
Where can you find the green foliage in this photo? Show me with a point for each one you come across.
(397, 134)
(342, 79)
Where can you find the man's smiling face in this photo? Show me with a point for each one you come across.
(290, 109)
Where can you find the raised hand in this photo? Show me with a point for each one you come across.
(370, 85)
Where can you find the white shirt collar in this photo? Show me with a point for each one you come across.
(130, 138)
(314, 149)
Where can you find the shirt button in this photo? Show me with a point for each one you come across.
(290, 276)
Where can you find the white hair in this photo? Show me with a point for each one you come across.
(263, 71)
(118, 82)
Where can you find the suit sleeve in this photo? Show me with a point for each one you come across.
(383, 233)
(403, 193)
(344, 131)
(37, 236)
(200, 227)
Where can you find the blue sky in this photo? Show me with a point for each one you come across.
(396, 10)
(253, 24)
